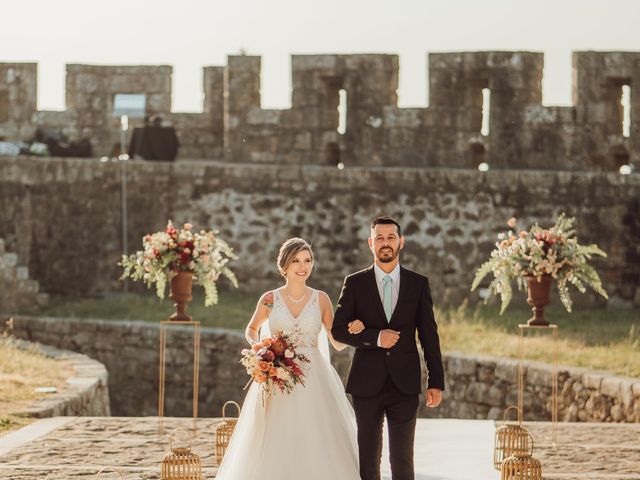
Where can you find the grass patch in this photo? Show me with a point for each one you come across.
(21, 371)
(596, 338)
(232, 311)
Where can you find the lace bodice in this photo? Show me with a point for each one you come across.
(303, 329)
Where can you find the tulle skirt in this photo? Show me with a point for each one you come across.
(308, 434)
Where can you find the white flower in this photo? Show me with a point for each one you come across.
(282, 374)
(288, 353)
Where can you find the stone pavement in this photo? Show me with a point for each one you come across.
(77, 447)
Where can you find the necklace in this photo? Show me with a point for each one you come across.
(298, 300)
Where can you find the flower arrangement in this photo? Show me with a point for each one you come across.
(173, 250)
(274, 364)
(537, 252)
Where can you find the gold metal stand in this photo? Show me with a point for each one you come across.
(196, 363)
(553, 329)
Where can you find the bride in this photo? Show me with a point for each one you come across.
(309, 433)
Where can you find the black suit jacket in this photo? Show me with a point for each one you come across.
(371, 364)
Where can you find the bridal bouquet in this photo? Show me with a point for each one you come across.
(274, 364)
(174, 250)
(540, 251)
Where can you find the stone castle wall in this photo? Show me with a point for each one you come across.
(523, 134)
(86, 392)
(476, 387)
(63, 217)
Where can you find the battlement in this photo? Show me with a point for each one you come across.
(513, 130)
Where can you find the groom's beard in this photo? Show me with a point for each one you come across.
(388, 258)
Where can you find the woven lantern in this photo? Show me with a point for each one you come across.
(224, 431)
(511, 439)
(521, 466)
(181, 463)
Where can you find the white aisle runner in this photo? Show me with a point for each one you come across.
(449, 449)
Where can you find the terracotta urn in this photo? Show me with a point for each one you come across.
(538, 297)
(181, 288)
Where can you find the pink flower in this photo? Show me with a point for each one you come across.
(188, 226)
(512, 222)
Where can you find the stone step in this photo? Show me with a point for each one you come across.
(22, 273)
(16, 288)
(42, 299)
(7, 273)
(29, 286)
(9, 259)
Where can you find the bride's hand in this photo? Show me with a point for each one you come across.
(356, 327)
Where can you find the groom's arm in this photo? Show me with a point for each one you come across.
(345, 313)
(429, 339)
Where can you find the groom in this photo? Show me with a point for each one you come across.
(393, 303)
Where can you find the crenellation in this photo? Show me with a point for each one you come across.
(522, 133)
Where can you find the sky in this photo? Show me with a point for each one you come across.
(190, 34)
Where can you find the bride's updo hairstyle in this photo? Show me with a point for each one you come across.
(288, 252)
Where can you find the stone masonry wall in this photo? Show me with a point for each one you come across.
(482, 387)
(86, 392)
(476, 387)
(63, 217)
(523, 134)
(129, 350)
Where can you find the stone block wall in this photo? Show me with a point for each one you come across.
(63, 217)
(85, 394)
(523, 134)
(476, 387)
(129, 351)
(482, 387)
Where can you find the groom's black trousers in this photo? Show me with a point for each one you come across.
(400, 410)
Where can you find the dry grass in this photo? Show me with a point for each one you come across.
(21, 371)
(599, 340)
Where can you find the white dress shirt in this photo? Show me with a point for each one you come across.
(395, 286)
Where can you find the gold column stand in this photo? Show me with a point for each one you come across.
(196, 364)
(553, 329)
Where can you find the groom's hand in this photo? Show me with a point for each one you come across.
(355, 327)
(433, 397)
(388, 338)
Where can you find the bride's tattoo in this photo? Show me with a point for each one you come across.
(267, 300)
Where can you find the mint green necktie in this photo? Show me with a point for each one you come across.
(386, 296)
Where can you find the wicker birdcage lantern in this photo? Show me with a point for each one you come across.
(224, 431)
(108, 468)
(510, 439)
(181, 463)
(521, 466)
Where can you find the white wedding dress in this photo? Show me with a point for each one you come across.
(308, 434)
